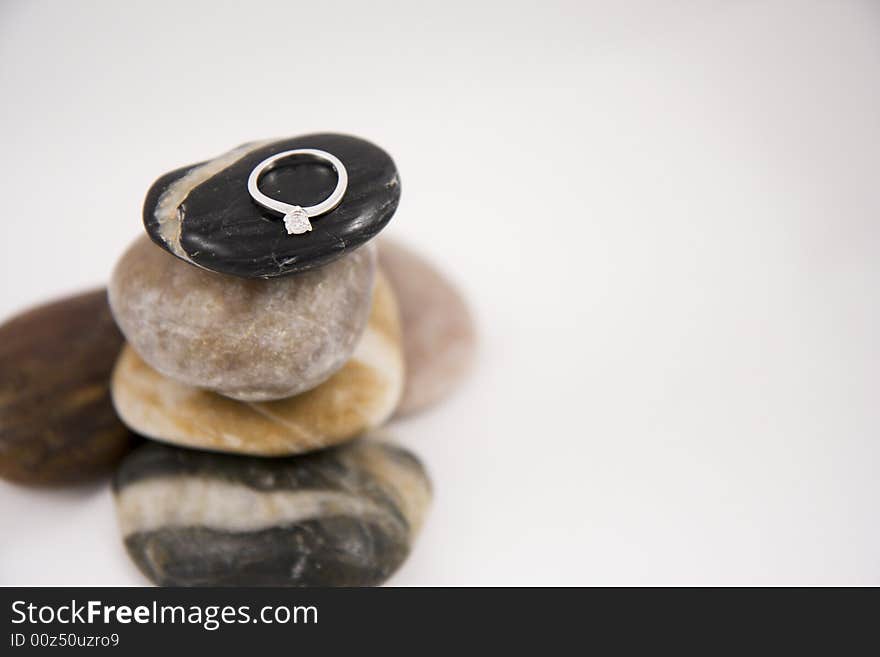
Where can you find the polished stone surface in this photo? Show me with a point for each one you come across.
(57, 424)
(362, 395)
(204, 214)
(439, 338)
(253, 340)
(345, 516)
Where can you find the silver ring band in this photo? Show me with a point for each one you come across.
(296, 218)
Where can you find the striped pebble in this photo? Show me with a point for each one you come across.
(345, 516)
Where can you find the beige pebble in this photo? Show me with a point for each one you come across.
(362, 395)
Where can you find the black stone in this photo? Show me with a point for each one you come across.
(224, 230)
(334, 551)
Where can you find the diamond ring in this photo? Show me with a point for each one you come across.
(296, 218)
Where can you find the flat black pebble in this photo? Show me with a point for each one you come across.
(345, 516)
(204, 214)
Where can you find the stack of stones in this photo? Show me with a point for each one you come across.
(255, 364)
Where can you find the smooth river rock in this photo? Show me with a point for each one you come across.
(252, 340)
(362, 395)
(204, 214)
(345, 516)
(57, 424)
(439, 339)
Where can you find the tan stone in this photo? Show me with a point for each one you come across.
(362, 395)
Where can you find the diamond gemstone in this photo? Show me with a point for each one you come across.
(297, 222)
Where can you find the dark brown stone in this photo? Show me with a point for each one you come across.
(57, 423)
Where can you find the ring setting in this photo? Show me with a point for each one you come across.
(297, 218)
(297, 221)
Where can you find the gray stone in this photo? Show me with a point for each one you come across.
(249, 339)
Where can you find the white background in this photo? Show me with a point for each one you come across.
(666, 216)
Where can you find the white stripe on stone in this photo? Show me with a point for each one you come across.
(166, 212)
(187, 501)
